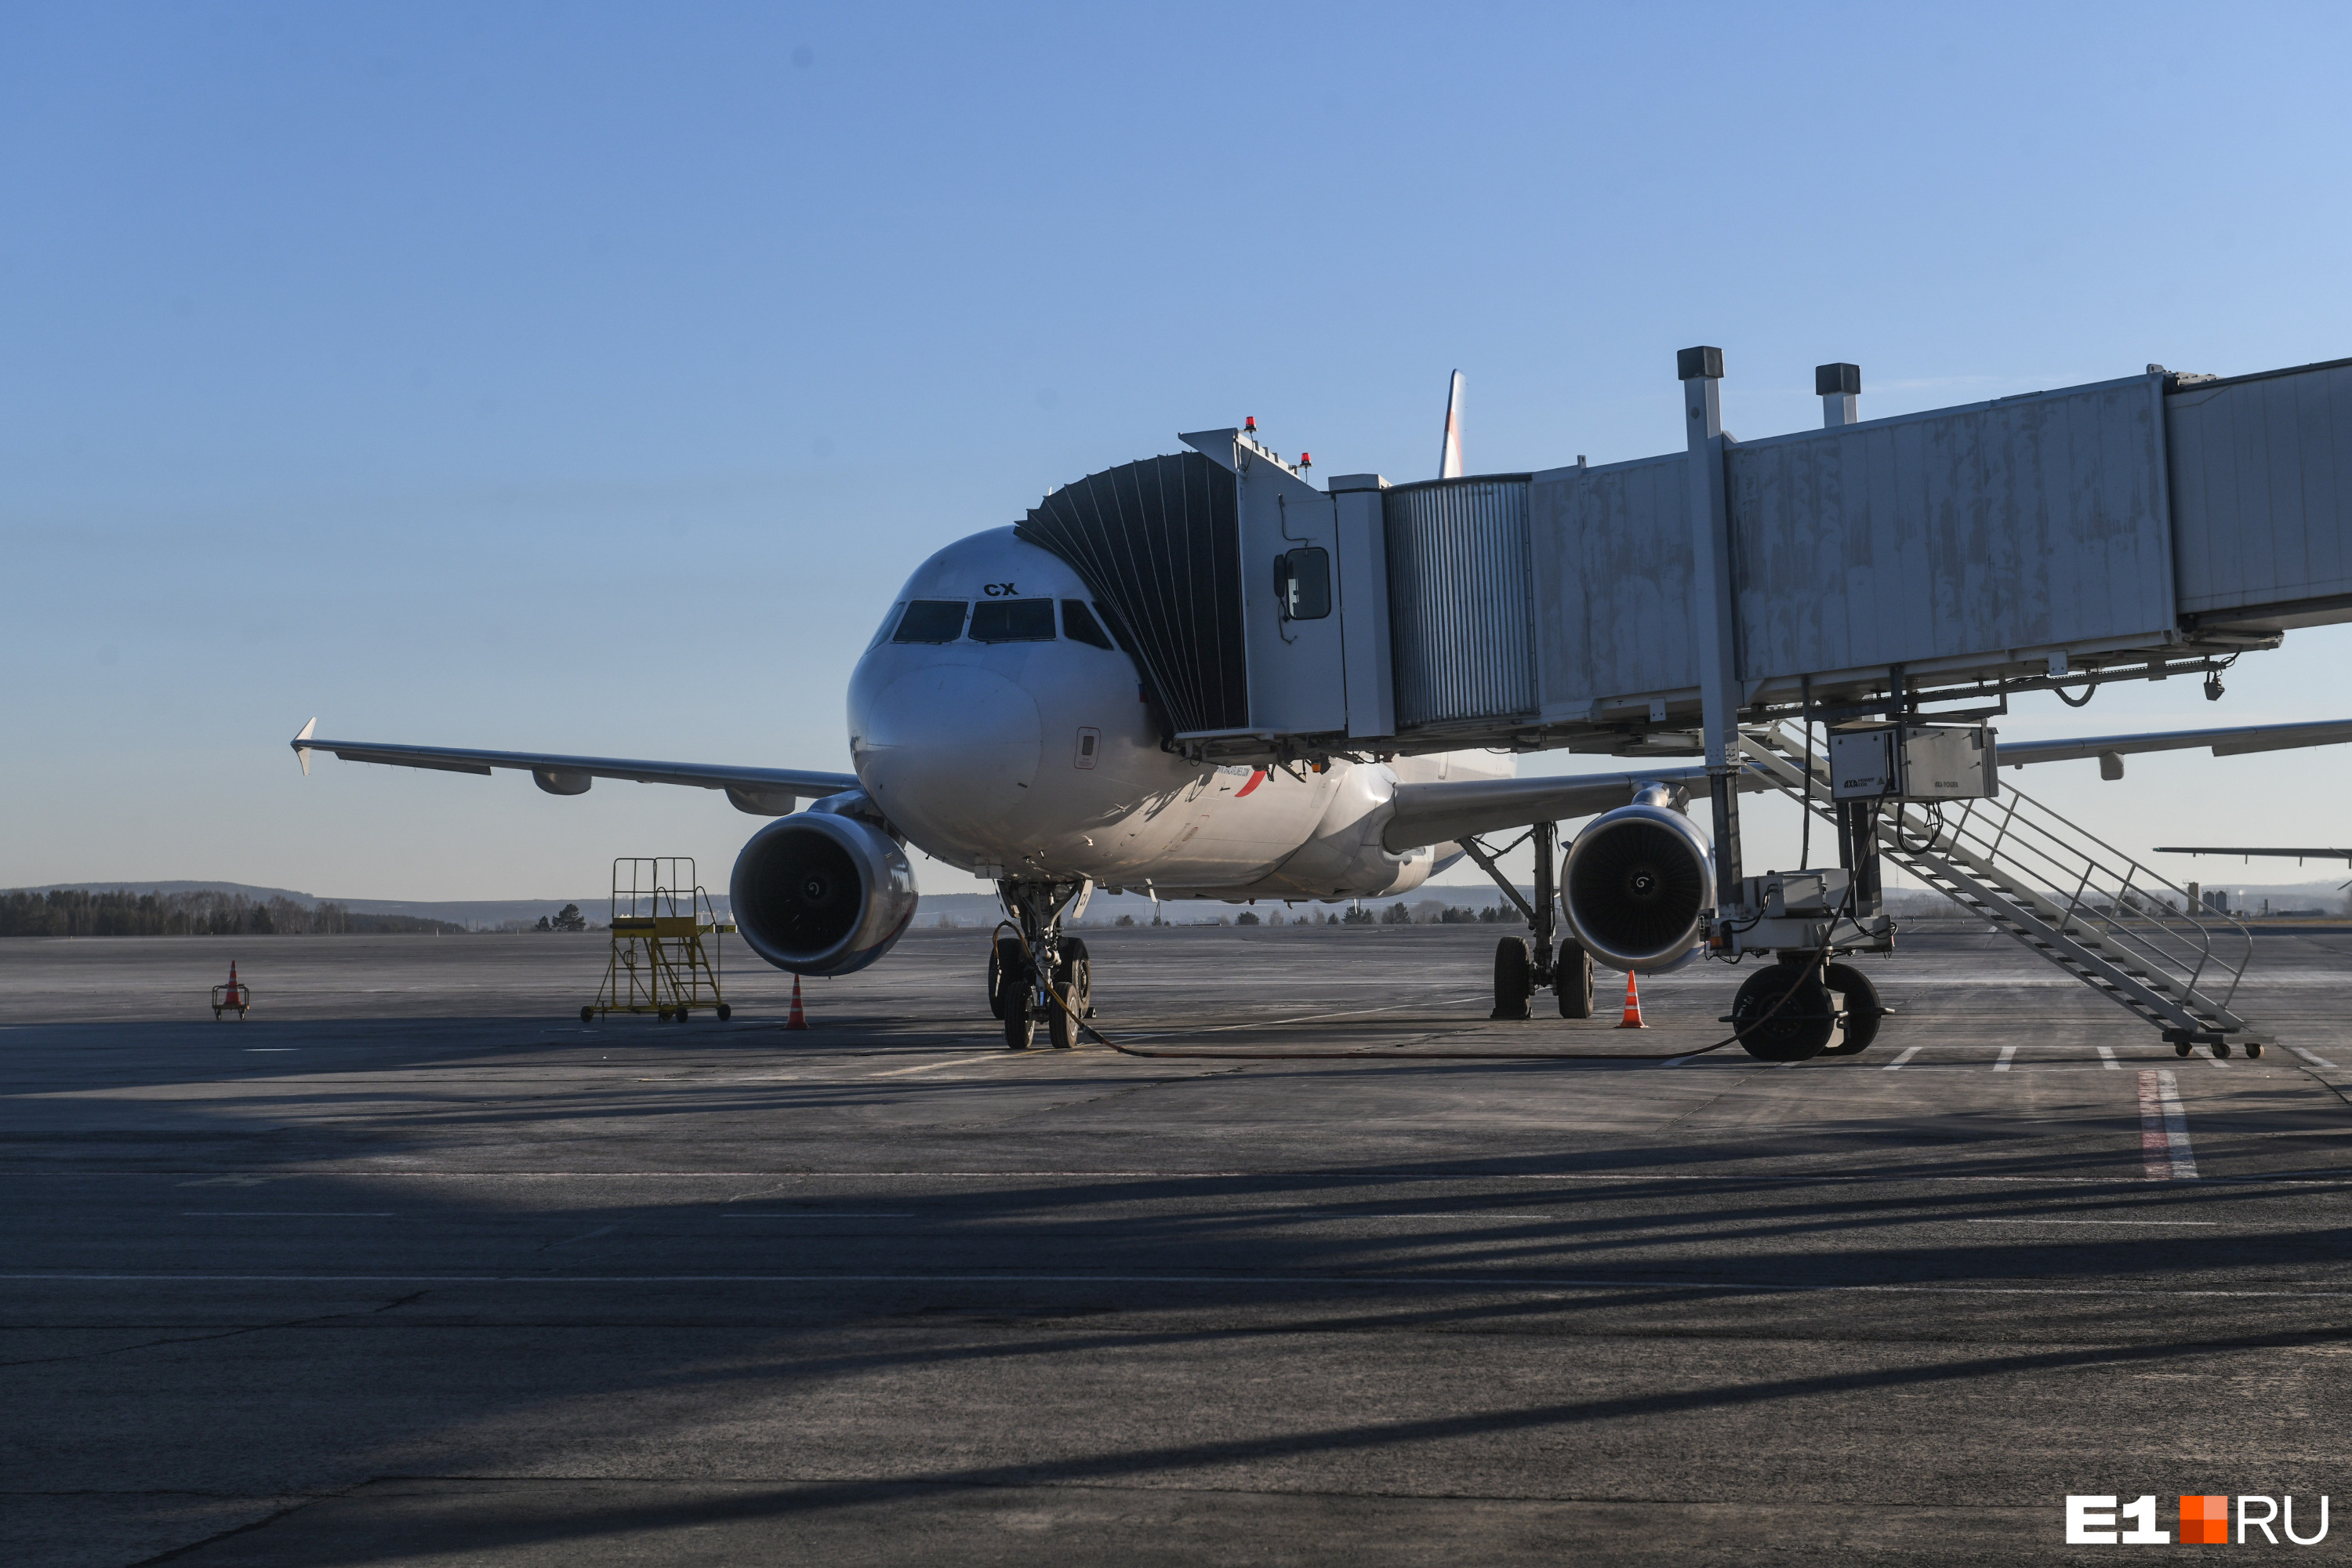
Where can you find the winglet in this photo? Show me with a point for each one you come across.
(1449, 462)
(301, 752)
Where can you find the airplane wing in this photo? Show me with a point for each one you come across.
(763, 792)
(2343, 855)
(1438, 812)
(2225, 742)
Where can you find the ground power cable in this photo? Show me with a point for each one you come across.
(1029, 958)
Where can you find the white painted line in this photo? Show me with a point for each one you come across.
(2164, 1153)
(953, 1061)
(2208, 1223)
(288, 1214)
(1906, 1057)
(1278, 1282)
(2314, 1061)
(2008, 1055)
(2107, 1058)
(845, 1214)
(1302, 1019)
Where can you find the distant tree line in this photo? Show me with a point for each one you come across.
(75, 911)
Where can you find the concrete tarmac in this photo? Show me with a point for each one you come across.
(411, 1266)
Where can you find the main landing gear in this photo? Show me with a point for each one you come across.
(1524, 965)
(1017, 983)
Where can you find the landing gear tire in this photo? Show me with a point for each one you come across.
(1794, 1030)
(1005, 951)
(1863, 1012)
(1076, 985)
(1512, 984)
(1011, 1002)
(1572, 978)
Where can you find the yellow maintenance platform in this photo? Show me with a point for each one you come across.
(665, 943)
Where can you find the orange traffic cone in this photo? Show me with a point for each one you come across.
(798, 1020)
(1633, 1019)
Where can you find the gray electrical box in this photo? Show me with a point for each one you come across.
(1914, 761)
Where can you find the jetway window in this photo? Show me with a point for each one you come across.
(931, 620)
(1013, 620)
(1302, 582)
(1078, 625)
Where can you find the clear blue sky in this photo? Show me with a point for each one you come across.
(586, 378)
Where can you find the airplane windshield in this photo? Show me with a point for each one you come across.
(1013, 620)
(931, 620)
(1078, 623)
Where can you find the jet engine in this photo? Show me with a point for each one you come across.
(822, 893)
(1635, 882)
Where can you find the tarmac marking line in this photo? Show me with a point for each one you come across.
(2165, 1150)
(288, 1214)
(2199, 1222)
(2008, 1055)
(1906, 1057)
(2107, 1058)
(2314, 1061)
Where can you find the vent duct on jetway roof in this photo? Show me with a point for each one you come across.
(1159, 545)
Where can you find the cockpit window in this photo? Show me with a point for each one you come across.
(890, 619)
(930, 620)
(1078, 623)
(1013, 620)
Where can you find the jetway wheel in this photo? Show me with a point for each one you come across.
(1513, 981)
(1795, 1030)
(1861, 1008)
(1572, 978)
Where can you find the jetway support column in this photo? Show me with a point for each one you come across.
(1701, 370)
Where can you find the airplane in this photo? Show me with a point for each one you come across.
(998, 719)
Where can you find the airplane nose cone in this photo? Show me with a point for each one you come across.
(951, 754)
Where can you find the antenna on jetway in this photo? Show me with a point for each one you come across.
(1449, 462)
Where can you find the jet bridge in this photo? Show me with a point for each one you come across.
(2137, 528)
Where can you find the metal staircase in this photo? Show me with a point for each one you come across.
(2078, 901)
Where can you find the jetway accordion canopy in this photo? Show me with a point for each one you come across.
(1158, 543)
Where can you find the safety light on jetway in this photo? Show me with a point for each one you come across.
(1249, 425)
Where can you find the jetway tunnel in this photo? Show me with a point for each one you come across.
(2131, 528)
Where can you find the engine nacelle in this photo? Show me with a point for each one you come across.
(822, 893)
(1634, 884)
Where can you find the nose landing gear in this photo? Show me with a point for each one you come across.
(1019, 969)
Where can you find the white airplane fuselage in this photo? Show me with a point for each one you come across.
(1037, 757)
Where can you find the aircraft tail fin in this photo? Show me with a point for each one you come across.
(1449, 466)
(301, 752)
